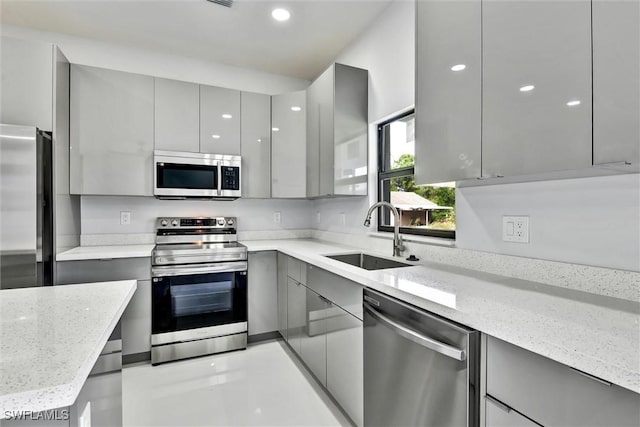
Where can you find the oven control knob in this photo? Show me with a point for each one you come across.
(221, 221)
(164, 223)
(175, 222)
(230, 222)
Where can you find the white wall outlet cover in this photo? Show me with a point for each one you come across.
(515, 229)
(276, 217)
(343, 219)
(318, 217)
(125, 218)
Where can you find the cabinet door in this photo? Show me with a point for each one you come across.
(282, 295)
(288, 145)
(313, 341)
(326, 138)
(350, 121)
(219, 120)
(111, 149)
(616, 86)
(255, 145)
(536, 86)
(136, 321)
(345, 362)
(448, 90)
(296, 313)
(313, 140)
(177, 116)
(263, 293)
(26, 83)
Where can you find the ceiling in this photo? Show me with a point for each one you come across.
(244, 35)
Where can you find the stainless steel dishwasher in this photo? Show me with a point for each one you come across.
(419, 369)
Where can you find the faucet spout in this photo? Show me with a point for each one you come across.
(398, 247)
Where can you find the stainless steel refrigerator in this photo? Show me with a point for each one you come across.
(26, 207)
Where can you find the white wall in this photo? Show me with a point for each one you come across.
(101, 214)
(123, 58)
(592, 221)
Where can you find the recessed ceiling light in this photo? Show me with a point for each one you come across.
(215, 136)
(226, 116)
(281, 14)
(275, 129)
(527, 88)
(573, 103)
(296, 108)
(458, 67)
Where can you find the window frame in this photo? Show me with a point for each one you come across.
(398, 173)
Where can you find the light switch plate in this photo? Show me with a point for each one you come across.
(343, 219)
(515, 229)
(125, 218)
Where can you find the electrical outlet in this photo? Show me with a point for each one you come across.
(515, 229)
(318, 218)
(125, 218)
(276, 217)
(343, 219)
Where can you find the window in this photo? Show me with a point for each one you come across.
(424, 210)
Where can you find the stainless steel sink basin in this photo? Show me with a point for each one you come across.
(368, 262)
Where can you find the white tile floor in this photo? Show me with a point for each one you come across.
(264, 385)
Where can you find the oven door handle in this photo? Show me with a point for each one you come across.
(224, 267)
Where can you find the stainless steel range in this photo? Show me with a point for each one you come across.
(199, 296)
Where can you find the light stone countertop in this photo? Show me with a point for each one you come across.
(50, 338)
(595, 334)
(105, 252)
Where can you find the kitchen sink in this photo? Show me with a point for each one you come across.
(368, 262)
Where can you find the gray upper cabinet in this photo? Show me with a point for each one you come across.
(219, 120)
(26, 83)
(337, 138)
(255, 119)
(111, 132)
(616, 85)
(288, 145)
(176, 116)
(536, 114)
(448, 90)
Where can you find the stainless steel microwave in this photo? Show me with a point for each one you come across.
(181, 175)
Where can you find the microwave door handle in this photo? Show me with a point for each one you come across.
(219, 178)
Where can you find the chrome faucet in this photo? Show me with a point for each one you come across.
(398, 247)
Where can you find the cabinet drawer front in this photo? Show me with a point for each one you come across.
(505, 417)
(103, 270)
(553, 394)
(337, 289)
(294, 269)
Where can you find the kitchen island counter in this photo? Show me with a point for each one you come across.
(50, 339)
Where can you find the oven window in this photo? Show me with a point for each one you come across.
(197, 177)
(201, 298)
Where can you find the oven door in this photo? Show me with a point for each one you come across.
(187, 298)
(181, 175)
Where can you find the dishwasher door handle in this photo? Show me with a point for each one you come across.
(410, 334)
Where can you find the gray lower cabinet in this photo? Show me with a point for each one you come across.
(111, 132)
(262, 293)
(136, 319)
(553, 394)
(448, 90)
(536, 87)
(176, 116)
(255, 145)
(616, 86)
(340, 291)
(26, 83)
(288, 145)
(296, 313)
(313, 341)
(282, 294)
(345, 362)
(219, 120)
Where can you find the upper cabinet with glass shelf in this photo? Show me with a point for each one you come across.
(521, 88)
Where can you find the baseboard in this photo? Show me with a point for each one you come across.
(266, 336)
